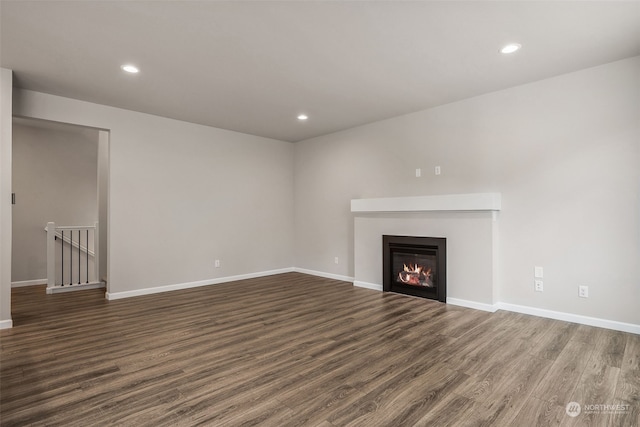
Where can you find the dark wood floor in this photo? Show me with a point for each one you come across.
(294, 349)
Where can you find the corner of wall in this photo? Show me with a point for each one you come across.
(495, 249)
(6, 111)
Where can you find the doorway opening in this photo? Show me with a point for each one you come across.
(59, 175)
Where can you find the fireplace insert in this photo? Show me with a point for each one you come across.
(415, 266)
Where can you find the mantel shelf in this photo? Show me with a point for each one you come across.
(444, 202)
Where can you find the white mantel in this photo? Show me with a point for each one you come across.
(444, 202)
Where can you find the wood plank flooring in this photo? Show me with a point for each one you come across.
(298, 350)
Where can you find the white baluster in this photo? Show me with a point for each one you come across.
(96, 252)
(51, 256)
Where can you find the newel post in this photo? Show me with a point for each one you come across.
(51, 254)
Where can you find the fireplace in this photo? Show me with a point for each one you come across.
(415, 266)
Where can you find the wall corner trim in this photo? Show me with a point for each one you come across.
(367, 285)
(6, 324)
(323, 274)
(570, 317)
(472, 304)
(23, 283)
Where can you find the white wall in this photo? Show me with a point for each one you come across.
(565, 154)
(55, 179)
(182, 195)
(6, 89)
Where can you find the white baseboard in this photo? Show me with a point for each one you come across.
(540, 312)
(28, 283)
(472, 304)
(72, 288)
(569, 317)
(367, 285)
(534, 311)
(453, 301)
(323, 274)
(166, 288)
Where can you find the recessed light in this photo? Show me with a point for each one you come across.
(130, 68)
(303, 117)
(510, 48)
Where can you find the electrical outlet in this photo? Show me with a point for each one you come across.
(418, 173)
(538, 286)
(437, 170)
(538, 272)
(583, 291)
(336, 260)
(217, 263)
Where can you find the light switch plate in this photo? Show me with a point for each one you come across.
(538, 272)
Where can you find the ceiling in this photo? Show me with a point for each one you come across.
(253, 67)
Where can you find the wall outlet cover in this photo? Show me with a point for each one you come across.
(538, 286)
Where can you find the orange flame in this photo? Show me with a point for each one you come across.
(415, 275)
(415, 269)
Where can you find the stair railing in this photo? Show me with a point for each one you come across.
(76, 245)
